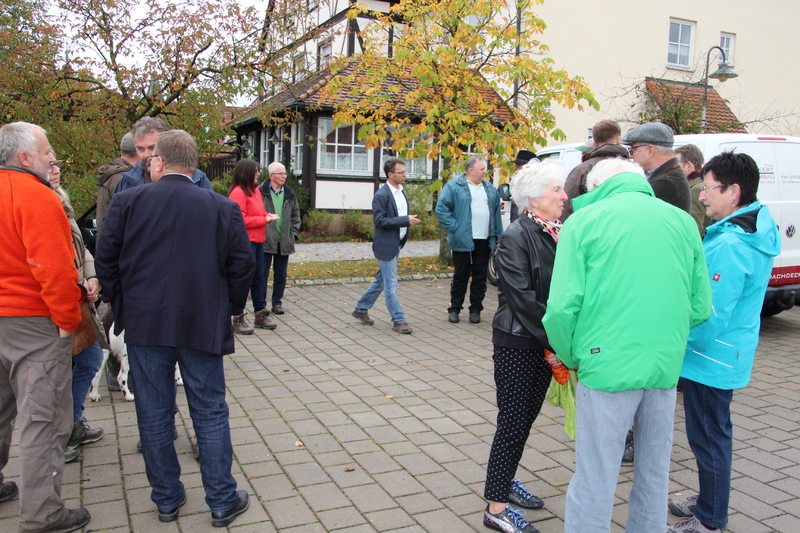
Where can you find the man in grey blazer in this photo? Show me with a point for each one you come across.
(391, 218)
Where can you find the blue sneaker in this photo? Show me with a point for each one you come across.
(519, 495)
(509, 521)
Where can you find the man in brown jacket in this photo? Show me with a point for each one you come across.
(606, 136)
(108, 176)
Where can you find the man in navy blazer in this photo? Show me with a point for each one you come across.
(391, 218)
(173, 258)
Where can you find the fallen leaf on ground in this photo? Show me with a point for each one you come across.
(298, 443)
(388, 396)
(349, 469)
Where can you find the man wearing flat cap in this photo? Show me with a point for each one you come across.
(650, 146)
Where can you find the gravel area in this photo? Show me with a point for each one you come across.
(357, 251)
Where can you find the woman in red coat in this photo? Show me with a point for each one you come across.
(245, 193)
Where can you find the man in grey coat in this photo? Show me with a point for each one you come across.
(281, 200)
(390, 214)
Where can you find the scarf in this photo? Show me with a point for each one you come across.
(550, 227)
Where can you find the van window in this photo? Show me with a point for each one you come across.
(551, 155)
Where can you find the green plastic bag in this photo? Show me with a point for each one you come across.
(564, 396)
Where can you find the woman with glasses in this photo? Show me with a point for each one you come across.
(740, 246)
(525, 259)
(86, 363)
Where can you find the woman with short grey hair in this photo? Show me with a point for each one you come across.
(522, 371)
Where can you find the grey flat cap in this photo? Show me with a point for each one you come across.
(650, 133)
(126, 146)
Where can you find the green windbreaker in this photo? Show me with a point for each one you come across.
(629, 281)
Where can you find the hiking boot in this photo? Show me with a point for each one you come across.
(452, 317)
(627, 455)
(241, 326)
(83, 434)
(475, 317)
(684, 509)
(363, 317)
(8, 490)
(402, 327)
(278, 310)
(692, 525)
(509, 521)
(71, 455)
(262, 321)
(75, 520)
(519, 495)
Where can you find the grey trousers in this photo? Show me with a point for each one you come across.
(36, 388)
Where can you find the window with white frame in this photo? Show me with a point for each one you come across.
(297, 147)
(250, 148)
(340, 149)
(415, 167)
(325, 55)
(726, 43)
(681, 40)
(263, 158)
(277, 143)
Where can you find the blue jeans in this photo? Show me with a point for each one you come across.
(602, 420)
(258, 289)
(281, 266)
(153, 368)
(84, 367)
(710, 432)
(385, 281)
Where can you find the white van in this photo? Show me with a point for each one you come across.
(778, 159)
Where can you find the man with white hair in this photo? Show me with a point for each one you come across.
(39, 309)
(629, 281)
(650, 146)
(281, 200)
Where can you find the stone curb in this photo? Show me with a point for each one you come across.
(343, 281)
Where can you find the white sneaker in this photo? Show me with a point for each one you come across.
(692, 525)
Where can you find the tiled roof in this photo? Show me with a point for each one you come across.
(307, 93)
(719, 117)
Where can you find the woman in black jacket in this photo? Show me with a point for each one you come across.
(522, 374)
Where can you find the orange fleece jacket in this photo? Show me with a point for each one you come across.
(37, 269)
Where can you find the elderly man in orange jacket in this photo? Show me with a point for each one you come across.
(39, 308)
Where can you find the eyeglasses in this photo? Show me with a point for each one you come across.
(632, 148)
(706, 189)
(57, 164)
(401, 173)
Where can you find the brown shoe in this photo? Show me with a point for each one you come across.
(262, 320)
(278, 310)
(75, 520)
(402, 327)
(364, 318)
(241, 326)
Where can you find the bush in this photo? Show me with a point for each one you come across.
(357, 225)
(222, 184)
(420, 203)
(82, 190)
(318, 223)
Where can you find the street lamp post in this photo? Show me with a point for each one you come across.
(722, 74)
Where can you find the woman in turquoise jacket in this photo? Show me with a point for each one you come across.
(740, 247)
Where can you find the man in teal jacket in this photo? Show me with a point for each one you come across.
(629, 281)
(469, 209)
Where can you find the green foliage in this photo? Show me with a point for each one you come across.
(357, 225)
(420, 203)
(222, 185)
(82, 190)
(318, 223)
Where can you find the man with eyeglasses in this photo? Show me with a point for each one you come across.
(281, 234)
(650, 145)
(390, 214)
(691, 160)
(145, 133)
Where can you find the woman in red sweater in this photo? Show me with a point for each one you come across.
(245, 193)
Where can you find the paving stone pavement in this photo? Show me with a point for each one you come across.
(339, 427)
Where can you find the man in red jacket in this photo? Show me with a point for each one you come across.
(39, 308)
